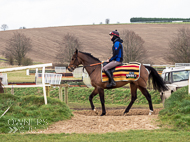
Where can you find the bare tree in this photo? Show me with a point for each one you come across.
(180, 47)
(67, 47)
(22, 28)
(17, 47)
(107, 21)
(133, 48)
(4, 27)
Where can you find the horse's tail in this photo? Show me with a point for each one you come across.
(157, 81)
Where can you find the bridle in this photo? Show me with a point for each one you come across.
(76, 59)
(91, 65)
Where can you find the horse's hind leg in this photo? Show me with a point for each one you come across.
(94, 93)
(133, 96)
(101, 94)
(148, 97)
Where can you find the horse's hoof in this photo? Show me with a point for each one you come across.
(125, 113)
(103, 114)
(150, 112)
(95, 111)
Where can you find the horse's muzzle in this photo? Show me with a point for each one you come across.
(70, 69)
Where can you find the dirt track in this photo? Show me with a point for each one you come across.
(90, 122)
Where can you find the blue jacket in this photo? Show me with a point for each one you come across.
(117, 50)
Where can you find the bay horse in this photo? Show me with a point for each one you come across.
(93, 68)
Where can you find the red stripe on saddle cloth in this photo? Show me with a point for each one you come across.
(122, 75)
(117, 75)
(104, 75)
(137, 66)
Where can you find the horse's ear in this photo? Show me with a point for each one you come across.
(76, 51)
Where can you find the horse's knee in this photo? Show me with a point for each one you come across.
(90, 98)
(133, 98)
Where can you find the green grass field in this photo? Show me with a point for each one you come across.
(177, 110)
(119, 96)
(170, 130)
(29, 104)
(162, 135)
(29, 112)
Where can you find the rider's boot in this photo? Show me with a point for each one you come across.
(111, 81)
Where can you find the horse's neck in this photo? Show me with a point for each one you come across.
(86, 61)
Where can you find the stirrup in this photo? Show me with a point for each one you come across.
(111, 84)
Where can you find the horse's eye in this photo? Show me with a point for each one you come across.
(72, 59)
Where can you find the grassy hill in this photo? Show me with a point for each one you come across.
(26, 111)
(95, 39)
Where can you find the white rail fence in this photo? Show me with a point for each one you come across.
(30, 67)
(181, 64)
(60, 69)
(3, 76)
(50, 78)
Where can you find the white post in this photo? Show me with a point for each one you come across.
(36, 75)
(43, 83)
(36, 72)
(189, 84)
(27, 72)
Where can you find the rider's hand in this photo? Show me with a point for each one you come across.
(108, 60)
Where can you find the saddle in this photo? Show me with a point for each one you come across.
(123, 72)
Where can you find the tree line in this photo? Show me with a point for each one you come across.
(19, 45)
(141, 19)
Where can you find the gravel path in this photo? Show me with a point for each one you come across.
(114, 121)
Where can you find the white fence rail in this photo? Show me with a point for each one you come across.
(181, 64)
(60, 69)
(77, 73)
(30, 67)
(4, 78)
(51, 78)
(86, 79)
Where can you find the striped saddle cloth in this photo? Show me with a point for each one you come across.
(125, 72)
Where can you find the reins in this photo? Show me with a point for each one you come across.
(91, 65)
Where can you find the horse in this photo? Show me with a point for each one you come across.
(93, 68)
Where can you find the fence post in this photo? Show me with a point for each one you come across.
(47, 91)
(43, 83)
(60, 93)
(66, 94)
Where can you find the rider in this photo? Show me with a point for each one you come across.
(117, 57)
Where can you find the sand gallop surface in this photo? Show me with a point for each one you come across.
(114, 121)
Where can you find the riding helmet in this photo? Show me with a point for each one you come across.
(115, 33)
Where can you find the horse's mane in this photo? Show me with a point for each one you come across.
(89, 54)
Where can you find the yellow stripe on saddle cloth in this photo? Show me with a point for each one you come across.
(125, 72)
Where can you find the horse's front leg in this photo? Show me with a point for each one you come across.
(94, 93)
(101, 94)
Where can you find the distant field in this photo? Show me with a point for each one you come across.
(95, 39)
(20, 76)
